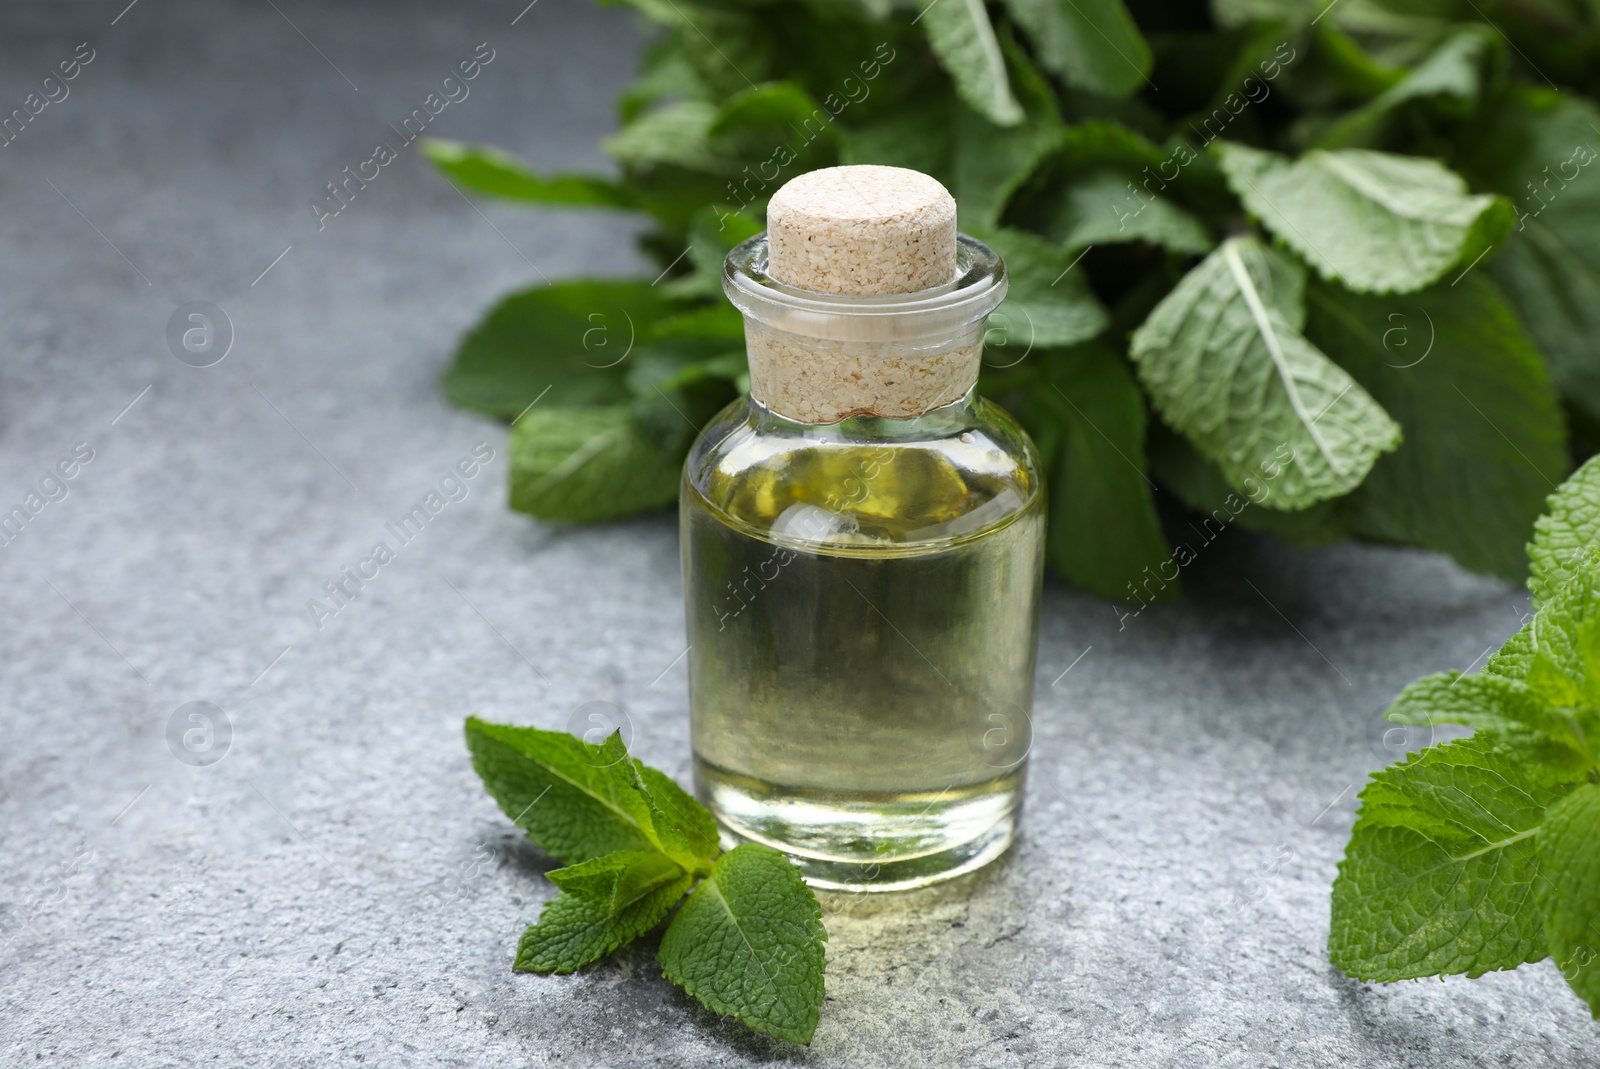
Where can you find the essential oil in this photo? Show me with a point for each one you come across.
(862, 591)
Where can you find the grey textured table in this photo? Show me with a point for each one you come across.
(336, 888)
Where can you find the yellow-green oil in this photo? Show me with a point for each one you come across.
(862, 621)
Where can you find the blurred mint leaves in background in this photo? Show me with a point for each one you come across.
(1484, 853)
(748, 940)
(1336, 262)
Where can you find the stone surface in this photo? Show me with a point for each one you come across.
(337, 889)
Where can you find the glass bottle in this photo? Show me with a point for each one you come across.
(862, 594)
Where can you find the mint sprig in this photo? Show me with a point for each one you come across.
(1484, 853)
(748, 941)
(1441, 198)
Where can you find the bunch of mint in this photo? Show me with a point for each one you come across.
(748, 941)
(1484, 853)
(1325, 268)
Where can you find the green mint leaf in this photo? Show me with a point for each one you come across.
(1449, 79)
(685, 829)
(1096, 143)
(1484, 440)
(578, 929)
(1568, 890)
(1552, 741)
(1348, 65)
(1225, 363)
(989, 163)
(679, 827)
(489, 170)
(1439, 874)
(670, 419)
(678, 133)
(1563, 666)
(1198, 483)
(1235, 13)
(1557, 293)
(1483, 702)
(752, 123)
(1104, 534)
(585, 464)
(713, 232)
(1109, 207)
(1564, 537)
(665, 73)
(617, 880)
(1514, 658)
(1541, 149)
(684, 373)
(749, 942)
(1092, 44)
(577, 802)
(569, 339)
(706, 34)
(1048, 303)
(918, 134)
(1373, 221)
(960, 34)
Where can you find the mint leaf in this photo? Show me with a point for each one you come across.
(1373, 221)
(1198, 483)
(1233, 13)
(1485, 702)
(749, 942)
(575, 801)
(707, 34)
(1093, 44)
(570, 339)
(1048, 303)
(989, 162)
(1553, 741)
(1449, 79)
(1564, 537)
(1098, 142)
(685, 830)
(684, 374)
(1103, 532)
(584, 464)
(617, 880)
(1440, 871)
(1225, 363)
(712, 233)
(1541, 148)
(578, 928)
(1514, 658)
(1568, 890)
(750, 124)
(489, 170)
(960, 34)
(677, 133)
(664, 73)
(1563, 662)
(1483, 429)
(1557, 293)
(918, 134)
(1108, 208)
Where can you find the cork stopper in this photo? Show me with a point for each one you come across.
(861, 299)
(862, 230)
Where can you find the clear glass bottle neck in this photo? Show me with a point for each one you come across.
(940, 422)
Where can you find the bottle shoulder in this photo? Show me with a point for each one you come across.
(952, 475)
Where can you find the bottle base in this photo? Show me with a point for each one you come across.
(880, 842)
